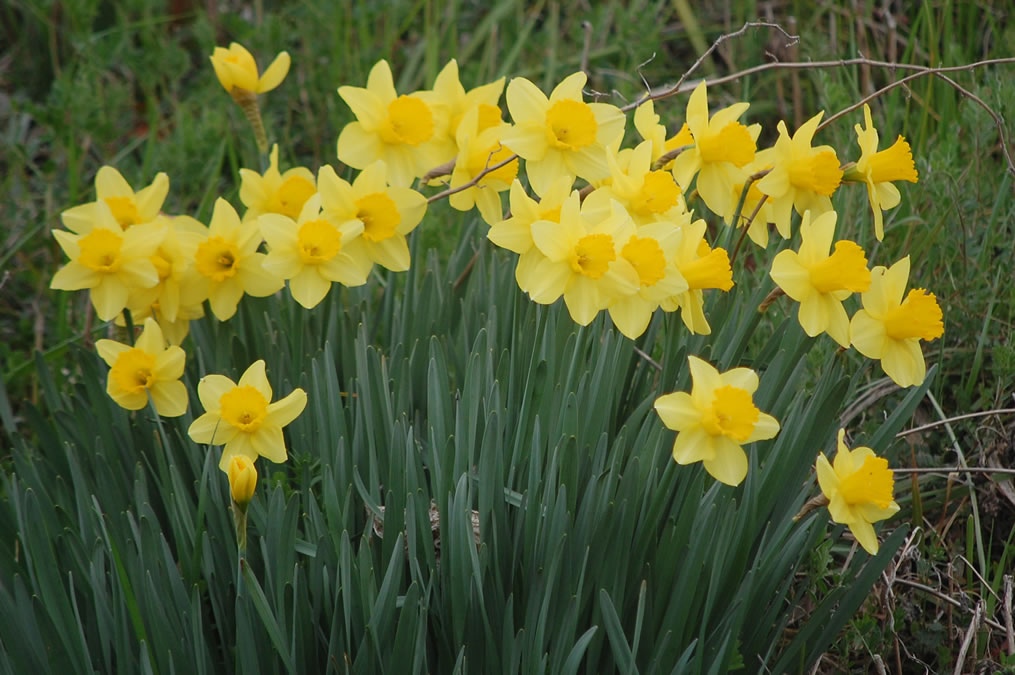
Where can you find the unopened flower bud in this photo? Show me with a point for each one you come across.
(242, 479)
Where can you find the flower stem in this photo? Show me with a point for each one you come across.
(247, 100)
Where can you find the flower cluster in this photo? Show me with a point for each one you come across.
(605, 227)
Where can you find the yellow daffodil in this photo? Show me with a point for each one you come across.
(651, 252)
(716, 419)
(859, 487)
(581, 260)
(313, 252)
(448, 89)
(148, 368)
(229, 262)
(275, 192)
(646, 122)
(561, 135)
(128, 207)
(819, 281)
(515, 233)
(179, 282)
(758, 229)
(108, 261)
(647, 195)
(802, 177)
(236, 70)
(478, 149)
(242, 479)
(408, 132)
(722, 148)
(242, 417)
(890, 328)
(387, 213)
(702, 267)
(174, 331)
(879, 169)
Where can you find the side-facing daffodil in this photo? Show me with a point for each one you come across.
(646, 122)
(242, 417)
(878, 170)
(716, 419)
(648, 195)
(859, 487)
(448, 89)
(479, 147)
(275, 192)
(820, 281)
(702, 267)
(722, 147)
(562, 134)
(127, 206)
(313, 252)
(386, 212)
(237, 73)
(890, 328)
(802, 177)
(229, 261)
(149, 368)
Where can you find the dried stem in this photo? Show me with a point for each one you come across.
(475, 180)
(669, 156)
(938, 423)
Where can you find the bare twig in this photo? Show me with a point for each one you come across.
(957, 469)
(586, 46)
(974, 625)
(652, 362)
(946, 598)
(649, 96)
(931, 425)
(669, 156)
(475, 180)
(747, 226)
(444, 169)
(1006, 606)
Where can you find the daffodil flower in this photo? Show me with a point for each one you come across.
(580, 261)
(561, 135)
(313, 252)
(820, 281)
(479, 147)
(408, 132)
(275, 192)
(647, 195)
(127, 206)
(702, 267)
(242, 417)
(651, 253)
(148, 369)
(890, 328)
(236, 70)
(386, 212)
(646, 122)
(242, 479)
(230, 263)
(802, 177)
(180, 285)
(515, 233)
(108, 261)
(859, 487)
(722, 147)
(448, 89)
(879, 169)
(715, 419)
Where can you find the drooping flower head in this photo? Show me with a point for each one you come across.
(802, 177)
(180, 285)
(242, 417)
(722, 148)
(647, 194)
(646, 122)
(562, 134)
(275, 192)
(820, 281)
(702, 267)
(407, 132)
(878, 170)
(448, 89)
(148, 369)
(859, 487)
(715, 419)
(236, 70)
(479, 148)
(890, 327)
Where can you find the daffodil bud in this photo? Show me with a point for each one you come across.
(242, 479)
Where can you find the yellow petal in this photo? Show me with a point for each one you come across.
(285, 410)
(276, 72)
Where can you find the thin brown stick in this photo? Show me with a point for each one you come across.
(931, 425)
(747, 226)
(1008, 628)
(669, 156)
(956, 469)
(444, 169)
(649, 96)
(974, 625)
(475, 180)
(946, 598)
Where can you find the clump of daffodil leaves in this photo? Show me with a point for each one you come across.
(600, 226)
